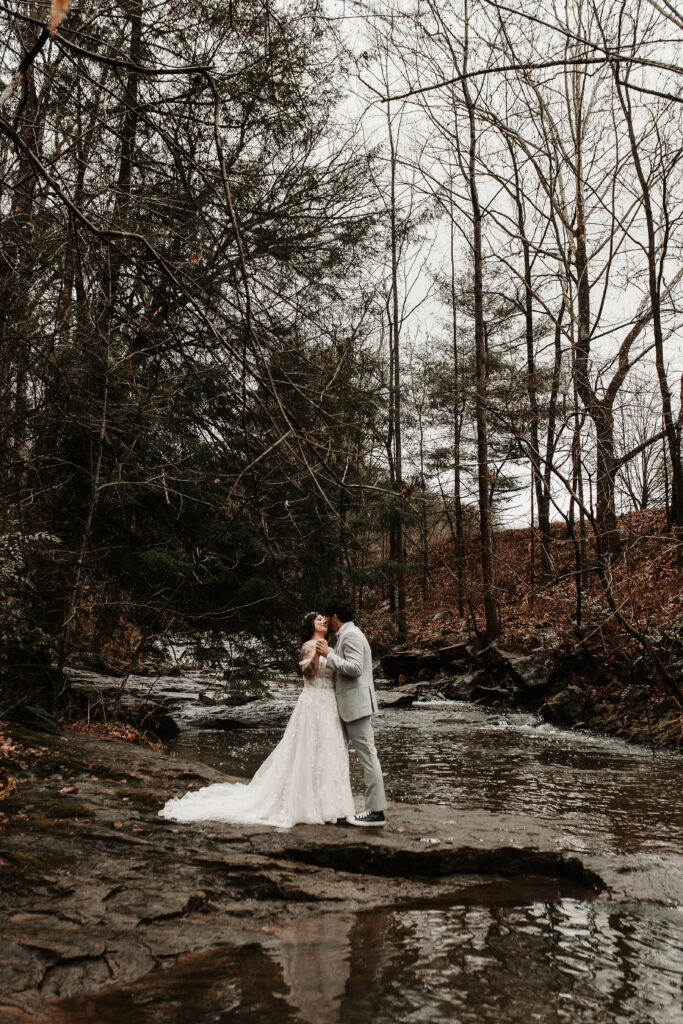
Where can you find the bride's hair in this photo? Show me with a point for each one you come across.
(307, 626)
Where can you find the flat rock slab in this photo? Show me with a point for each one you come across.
(97, 891)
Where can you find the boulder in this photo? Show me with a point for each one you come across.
(404, 697)
(220, 722)
(381, 683)
(565, 708)
(491, 694)
(424, 675)
(162, 670)
(461, 687)
(440, 616)
(155, 721)
(492, 656)
(532, 676)
(408, 663)
(207, 699)
(454, 653)
(96, 663)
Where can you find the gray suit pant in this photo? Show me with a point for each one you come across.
(363, 738)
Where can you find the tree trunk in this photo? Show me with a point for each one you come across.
(654, 272)
(457, 431)
(395, 332)
(492, 623)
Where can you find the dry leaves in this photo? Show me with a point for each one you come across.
(112, 730)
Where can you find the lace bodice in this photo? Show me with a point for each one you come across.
(324, 678)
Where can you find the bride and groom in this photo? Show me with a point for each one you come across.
(305, 779)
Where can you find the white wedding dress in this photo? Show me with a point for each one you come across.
(304, 779)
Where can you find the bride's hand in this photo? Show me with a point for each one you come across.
(322, 647)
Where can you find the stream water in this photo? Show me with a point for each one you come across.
(509, 952)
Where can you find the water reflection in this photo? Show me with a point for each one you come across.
(314, 955)
(564, 962)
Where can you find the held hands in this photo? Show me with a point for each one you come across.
(322, 647)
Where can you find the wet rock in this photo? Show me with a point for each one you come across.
(167, 670)
(382, 683)
(206, 699)
(424, 675)
(492, 694)
(220, 722)
(429, 694)
(77, 894)
(154, 721)
(533, 678)
(408, 663)
(461, 687)
(96, 663)
(404, 697)
(565, 707)
(493, 656)
(454, 653)
(33, 718)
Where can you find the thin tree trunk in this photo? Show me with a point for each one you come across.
(457, 431)
(398, 529)
(492, 626)
(654, 273)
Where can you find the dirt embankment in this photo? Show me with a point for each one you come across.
(575, 659)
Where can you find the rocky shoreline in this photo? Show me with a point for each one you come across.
(539, 682)
(101, 899)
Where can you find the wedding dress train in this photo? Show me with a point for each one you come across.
(304, 780)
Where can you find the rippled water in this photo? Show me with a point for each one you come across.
(564, 962)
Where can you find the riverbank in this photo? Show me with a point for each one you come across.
(102, 900)
(564, 652)
(568, 691)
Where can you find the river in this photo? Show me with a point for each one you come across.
(508, 952)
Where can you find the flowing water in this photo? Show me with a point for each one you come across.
(509, 951)
(604, 792)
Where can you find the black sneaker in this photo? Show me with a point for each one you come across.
(372, 819)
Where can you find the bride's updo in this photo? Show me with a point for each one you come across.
(307, 626)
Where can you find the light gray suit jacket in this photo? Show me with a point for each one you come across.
(351, 662)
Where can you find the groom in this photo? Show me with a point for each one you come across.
(351, 662)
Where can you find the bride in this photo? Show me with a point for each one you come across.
(305, 778)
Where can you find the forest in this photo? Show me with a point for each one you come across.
(300, 298)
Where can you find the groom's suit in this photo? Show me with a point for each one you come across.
(351, 662)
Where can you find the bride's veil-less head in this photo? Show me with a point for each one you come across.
(307, 629)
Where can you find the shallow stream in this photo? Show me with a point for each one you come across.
(508, 955)
(509, 951)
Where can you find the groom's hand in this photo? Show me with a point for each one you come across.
(322, 647)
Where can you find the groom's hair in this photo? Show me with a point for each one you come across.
(340, 607)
